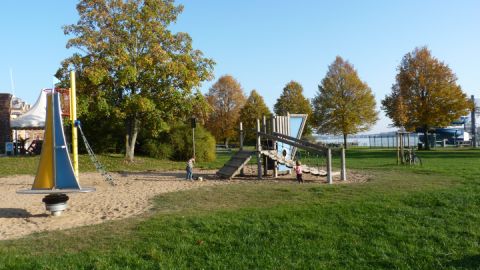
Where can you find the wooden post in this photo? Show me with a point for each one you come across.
(241, 136)
(259, 151)
(274, 129)
(343, 175)
(265, 158)
(288, 124)
(242, 173)
(402, 154)
(329, 166)
(398, 149)
(474, 124)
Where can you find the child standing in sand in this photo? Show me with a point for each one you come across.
(298, 171)
(189, 168)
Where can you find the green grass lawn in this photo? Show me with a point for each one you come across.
(404, 218)
(111, 162)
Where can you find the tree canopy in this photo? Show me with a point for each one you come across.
(293, 101)
(226, 98)
(132, 65)
(344, 103)
(425, 94)
(254, 108)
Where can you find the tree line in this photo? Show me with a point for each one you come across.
(139, 82)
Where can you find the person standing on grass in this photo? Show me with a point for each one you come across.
(298, 171)
(190, 163)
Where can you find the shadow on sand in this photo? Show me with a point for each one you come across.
(167, 176)
(17, 213)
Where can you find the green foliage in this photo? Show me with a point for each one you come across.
(103, 133)
(156, 149)
(254, 108)
(201, 109)
(425, 94)
(344, 104)
(292, 101)
(181, 142)
(226, 98)
(131, 64)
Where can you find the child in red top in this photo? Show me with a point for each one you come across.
(298, 171)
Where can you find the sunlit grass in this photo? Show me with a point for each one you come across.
(111, 162)
(402, 218)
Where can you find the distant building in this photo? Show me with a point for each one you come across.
(5, 110)
(12, 107)
(18, 107)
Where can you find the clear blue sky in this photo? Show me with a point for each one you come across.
(266, 43)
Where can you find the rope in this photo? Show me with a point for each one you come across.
(93, 158)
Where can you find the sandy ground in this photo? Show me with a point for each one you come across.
(21, 214)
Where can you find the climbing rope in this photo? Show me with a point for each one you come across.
(93, 158)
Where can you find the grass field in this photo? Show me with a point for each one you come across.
(403, 218)
(112, 162)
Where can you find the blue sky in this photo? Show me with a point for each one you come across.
(265, 44)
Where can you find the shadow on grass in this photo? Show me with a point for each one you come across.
(467, 262)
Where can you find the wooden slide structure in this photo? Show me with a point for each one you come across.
(281, 124)
(235, 164)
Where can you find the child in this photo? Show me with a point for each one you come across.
(189, 168)
(298, 171)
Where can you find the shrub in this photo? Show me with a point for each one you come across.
(181, 143)
(156, 149)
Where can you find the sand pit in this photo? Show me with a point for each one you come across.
(21, 214)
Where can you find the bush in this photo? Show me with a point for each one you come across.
(181, 143)
(156, 149)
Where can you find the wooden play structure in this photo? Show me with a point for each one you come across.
(277, 141)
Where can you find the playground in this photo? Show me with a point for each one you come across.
(247, 204)
(393, 220)
(22, 215)
(133, 195)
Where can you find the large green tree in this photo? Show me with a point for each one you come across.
(133, 64)
(254, 108)
(344, 103)
(293, 101)
(425, 95)
(226, 98)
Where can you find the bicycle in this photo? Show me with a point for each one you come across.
(411, 158)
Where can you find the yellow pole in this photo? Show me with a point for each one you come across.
(73, 117)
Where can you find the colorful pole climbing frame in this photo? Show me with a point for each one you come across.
(56, 175)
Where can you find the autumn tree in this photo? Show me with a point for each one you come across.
(201, 109)
(425, 94)
(226, 98)
(344, 104)
(293, 101)
(254, 108)
(141, 72)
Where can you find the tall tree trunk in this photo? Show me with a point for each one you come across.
(345, 140)
(427, 143)
(131, 138)
(226, 142)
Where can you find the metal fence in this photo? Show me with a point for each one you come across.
(390, 140)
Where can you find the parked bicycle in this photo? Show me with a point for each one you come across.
(411, 157)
